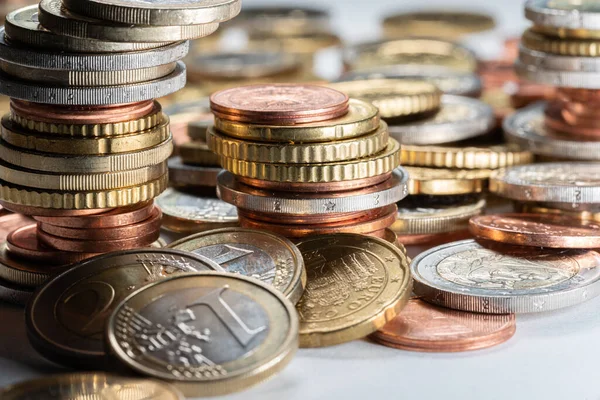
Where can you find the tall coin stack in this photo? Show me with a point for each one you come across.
(304, 160)
(84, 147)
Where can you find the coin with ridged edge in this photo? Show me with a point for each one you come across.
(245, 331)
(439, 181)
(431, 220)
(568, 14)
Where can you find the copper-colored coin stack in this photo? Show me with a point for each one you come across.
(305, 160)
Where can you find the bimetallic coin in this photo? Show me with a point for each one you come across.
(567, 14)
(229, 332)
(574, 183)
(90, 386)
(427, 220)
(356, 284)
(537, 230)
(442, 24)
(425, 327)
(265, 256)
(503, 279)
(67, 316)
(459, 118)
(185, 175)
(186, 213)
(439, 181)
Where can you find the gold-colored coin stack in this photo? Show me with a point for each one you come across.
(304, 160)
(84, 148)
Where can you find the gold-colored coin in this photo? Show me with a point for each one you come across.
(80, 182)
(265, 256)
(476, 157)
(394, 97)
(308, 43)
(565, 33)
(540, 208)
(303, 153)
(59, 144)
(198, 153)
(362, 118)
(368, 167)
(441, 181)
(21, 272)
(431, 220)
(91, 386)
(91, 130)
(442, 24)
(414, 52)
(74, 200)
(243, 331)
(356, 284)
(561, 46)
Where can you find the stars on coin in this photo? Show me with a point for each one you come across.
(329, 206)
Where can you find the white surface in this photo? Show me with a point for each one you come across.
(552, 355)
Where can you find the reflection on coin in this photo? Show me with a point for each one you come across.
(435, 219)
(66, 318)
(209, 333)
(262, 255)
(10, 222)
(503, 279)
(425, 327)
(186, 213)
(356, 284)
(91, 386)
(440, 181)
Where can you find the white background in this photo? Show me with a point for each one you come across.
(552, 355)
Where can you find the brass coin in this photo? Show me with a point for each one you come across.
(228, 331)
(439, 181)
(198, 153)
(356, 284)
(90, 386)
(67, 316)
(265, 256)
(442, 24)
(573, 47)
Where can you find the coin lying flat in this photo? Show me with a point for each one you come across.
(428, 328)
(265, 256)
(208, 333)
(503, 279)
(355, 285)
(443, 24)
(90, 386)
(185, 175)
(66, 317)
(537, 230)
(568, 14)
(435, 219)
(439, 181)
(283, 21)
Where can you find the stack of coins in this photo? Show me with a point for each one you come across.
(304, 160)
(560, 50)
(84, 149)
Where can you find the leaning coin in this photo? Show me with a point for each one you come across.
(66, 317)
(208, 333)
(265, 256)
(503, 279)
(356, 284)
(90, 386)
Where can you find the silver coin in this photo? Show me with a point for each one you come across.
(431, 220)
(14, 294)
(459, 118)
(158, 12)
(192, 175)
(526, 128)
(93, 96)
(241, 65)
(551, 63)
(560, 182)
(64, 330)
(22, 26)
(381, 195)
(449, 82)
(35, 58)
(569, 14)
(61, 21)
(505, 279)
(188, 207)
(291, 20)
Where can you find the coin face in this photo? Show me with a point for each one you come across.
(91, 386)
(500, 279)
(209, 333)
(424, 327)
(355, 285)
(267, 257)
(66, 318)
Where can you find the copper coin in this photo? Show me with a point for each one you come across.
(539, 230)
(434, 239)
(11, 222)
(112, 218)
(97, 246)
(424, 327)
(24, 243)
(50, 212)
(73, 115)
(495, 74)
(142, 228)
(314, 187)
(525, 93)
(555, 120)
(279, 104)
(287, 219)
